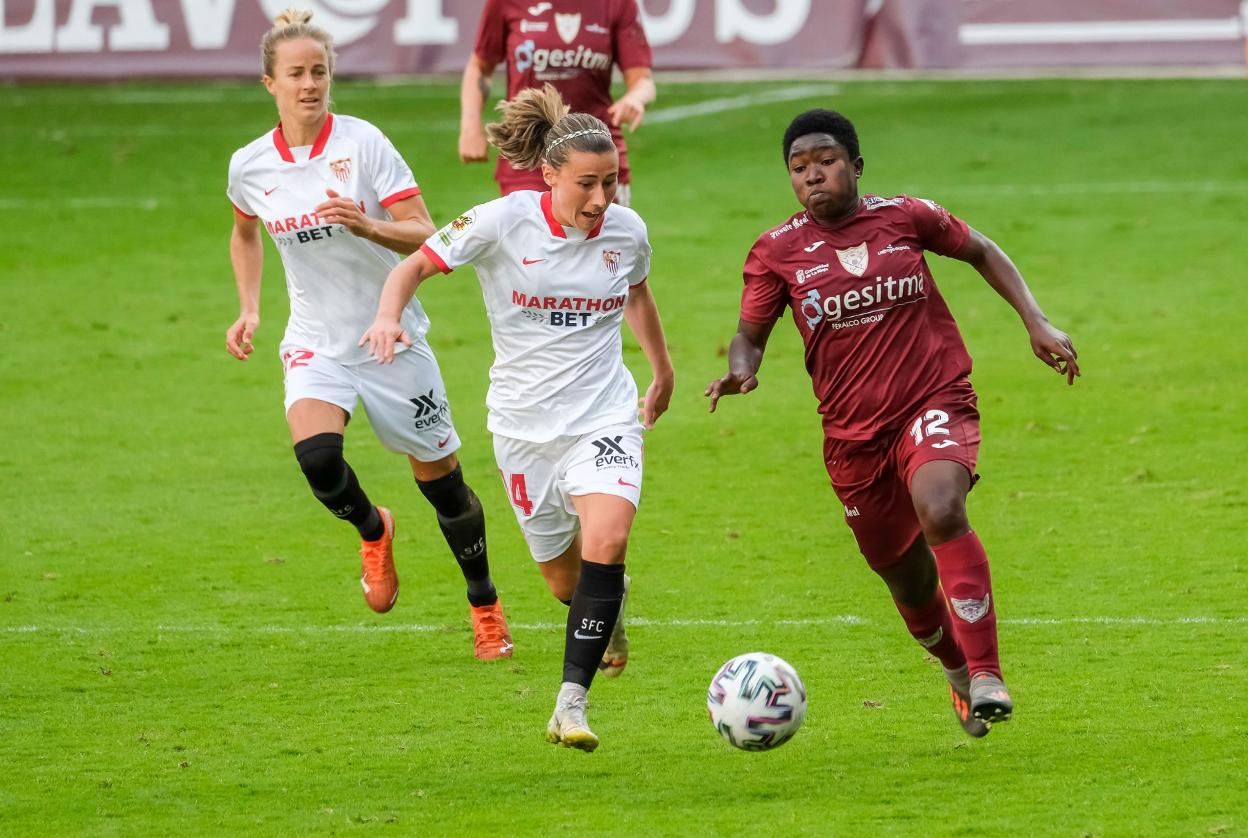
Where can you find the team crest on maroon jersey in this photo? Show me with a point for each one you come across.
(611, 258)
(568, 26)
(341, 168)
(854, 259)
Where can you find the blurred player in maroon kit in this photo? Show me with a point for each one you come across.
(901, 431)
(572, 44)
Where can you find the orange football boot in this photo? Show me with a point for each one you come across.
(490, 638)
(377, 575)
(960, 694)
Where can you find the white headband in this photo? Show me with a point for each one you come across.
(576, 134)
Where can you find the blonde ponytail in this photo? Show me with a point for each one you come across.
(536, 127)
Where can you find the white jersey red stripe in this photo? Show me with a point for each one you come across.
(555, 298)
(333, 277)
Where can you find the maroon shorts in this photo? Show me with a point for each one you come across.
(872, 477)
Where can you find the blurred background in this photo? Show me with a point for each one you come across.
(113, 39)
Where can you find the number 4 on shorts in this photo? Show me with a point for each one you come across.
(520, 494)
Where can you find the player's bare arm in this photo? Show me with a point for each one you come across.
(642, 316)
(630, 109)
(407, 229)
(1050, 344)
(474, 90)
(247, 258)
(401, 284)
(745, 356)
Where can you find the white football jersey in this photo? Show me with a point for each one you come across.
(334, 278)
(555, 298)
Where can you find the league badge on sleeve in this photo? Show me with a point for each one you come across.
(459, 227)
(854, 259)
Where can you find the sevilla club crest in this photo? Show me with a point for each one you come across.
(341, 168)
(854, 259)
(611, 258)
(568, 26)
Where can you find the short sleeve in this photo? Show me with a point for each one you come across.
(938, 230)
(765, 294)
(234, 189)
(471, 237)
(632, 49)
(388, 173)
(491, 45)
(641, 267)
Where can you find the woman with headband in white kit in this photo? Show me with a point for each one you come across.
(560, 272)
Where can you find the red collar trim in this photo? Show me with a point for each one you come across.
(597, 227)
(556, 229)
(318, 145)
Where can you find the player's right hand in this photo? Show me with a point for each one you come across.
(730, 385)
(381, 338)
(238, 337)
(473, 147)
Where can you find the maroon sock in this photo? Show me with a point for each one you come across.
(932, 626)
(963, 567)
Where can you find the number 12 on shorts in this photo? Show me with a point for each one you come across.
(935, 426)
(520, 494)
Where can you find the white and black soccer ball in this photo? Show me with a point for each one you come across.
(756, 701)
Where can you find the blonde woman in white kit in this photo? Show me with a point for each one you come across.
(342, 207)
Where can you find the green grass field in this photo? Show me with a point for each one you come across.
(183, 645)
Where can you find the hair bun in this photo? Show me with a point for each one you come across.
(292, 16)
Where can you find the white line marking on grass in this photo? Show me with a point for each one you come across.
(102, 202)
(448, 628)
(732, 103)
(1085, 188)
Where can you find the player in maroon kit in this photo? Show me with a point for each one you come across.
(901, 431)
(572, 44)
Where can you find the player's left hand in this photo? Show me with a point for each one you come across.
(1054, 347)
(344, 211)
(628, 110)
(382, 337)
(654, 404)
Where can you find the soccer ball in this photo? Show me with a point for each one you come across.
(756, 701)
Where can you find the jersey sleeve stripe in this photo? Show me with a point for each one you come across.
(401, 196)
(242, 214)
(435, 258)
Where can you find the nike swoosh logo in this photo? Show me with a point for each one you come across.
(624, 482)
(813, 247)
(527, 261)
(577, 634)
(271, 191)
(443, 443)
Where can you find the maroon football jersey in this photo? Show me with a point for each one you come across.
(570, 43)
(879, 337)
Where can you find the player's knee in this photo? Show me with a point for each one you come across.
(604, 545)
(320, 458)
(942, 516)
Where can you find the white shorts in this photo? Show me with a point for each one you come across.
(541, 478)
(406, 401)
